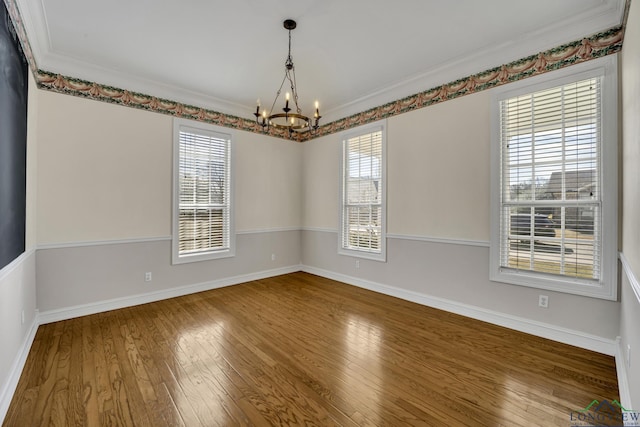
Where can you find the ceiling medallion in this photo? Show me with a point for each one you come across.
(293, 121)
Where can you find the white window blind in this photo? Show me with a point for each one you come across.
(203, 194)
(362, 225)
(551, 186)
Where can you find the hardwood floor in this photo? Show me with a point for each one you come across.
(300, 350)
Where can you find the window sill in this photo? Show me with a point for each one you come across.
(205, 256)
(584, 287)
(380, 257)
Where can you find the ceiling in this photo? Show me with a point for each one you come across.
(349, 55)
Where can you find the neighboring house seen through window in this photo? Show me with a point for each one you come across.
(202, 217)
(556, 166)
(362, 231)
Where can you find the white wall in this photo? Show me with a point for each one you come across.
(438, 222)
(438, 170)
(630, 309)
(104, 171)
(18, 281)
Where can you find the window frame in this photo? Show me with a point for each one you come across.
(381, 126)
(205, 129)
(606, 287)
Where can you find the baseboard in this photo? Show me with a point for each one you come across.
(621, 372)
(9, 387)
(544, 330)
(116, 303)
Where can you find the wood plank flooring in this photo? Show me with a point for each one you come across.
(300, 350)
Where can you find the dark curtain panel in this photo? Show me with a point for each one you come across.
(13, 141)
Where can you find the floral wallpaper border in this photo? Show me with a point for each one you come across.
(595, 46)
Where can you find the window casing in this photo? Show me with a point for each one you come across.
(203, 196)
(554, 181)
(363, 193)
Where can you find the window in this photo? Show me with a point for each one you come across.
(362, 198)
(554, 181)
(202, 206)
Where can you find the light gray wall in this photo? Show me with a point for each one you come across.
(87, 275)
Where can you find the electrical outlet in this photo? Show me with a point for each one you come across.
(628, 356)
(357, 263)
(273, 257)
(147, 276)
(543, 301)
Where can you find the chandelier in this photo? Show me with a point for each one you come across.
(290, 119)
